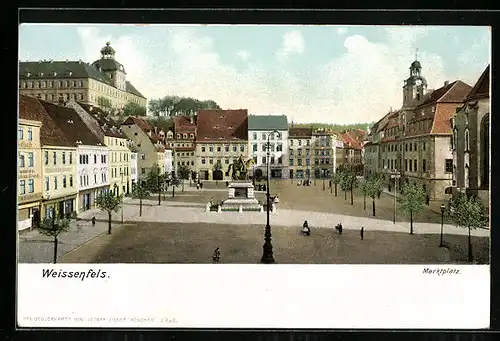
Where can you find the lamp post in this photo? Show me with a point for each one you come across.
(323, 176)
(121, 206)
(395, 175)
(267, 254)
(443, 208)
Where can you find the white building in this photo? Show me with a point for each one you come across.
(133, 169)
(92, 173)
(168, 161)
(259, 128)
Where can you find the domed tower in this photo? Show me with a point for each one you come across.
(112, 69)
(415, 86)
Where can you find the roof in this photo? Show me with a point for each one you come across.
(452, 92)
(79, 69)
(108, 64)
(183, 124)
(215, 125)
(71, 124)
(267, 122)
(108, 126)
(305, 132)
(482, 87)
(350, 140)
(140, 122)
(30, 108)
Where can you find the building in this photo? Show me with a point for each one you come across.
(29, 198)
(471, 141)
(325, 152)
(111, 135)
(259, 129)
(102, 83)
(299, 152)
(58, 156)
(92, 155)
(133, 169)
(182, 143)
(221, 138)
(148, 143)
(169, 161)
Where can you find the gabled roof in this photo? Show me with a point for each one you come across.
(140, 122)
(108, 126)
(30, 108)
(222, 125)
(68, 120)
(267, 122)
(305, 132)
(482, 87)
(453, 92)
(350, 141)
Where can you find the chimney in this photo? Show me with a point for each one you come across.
(446, 83)
(191, 118)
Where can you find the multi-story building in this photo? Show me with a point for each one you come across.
(169, 161)
(58, 157)
(325, 152)
(111, 135)
(133, 169)
(102, 83)
(300, 152)
(471, 141)
(148, 144)
(91, 155)
(29, 166)
(259, 129)
(181, 143)
(221, 138)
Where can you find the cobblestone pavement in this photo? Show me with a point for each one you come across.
(195, 242)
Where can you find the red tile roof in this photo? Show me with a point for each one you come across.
(300, 132)
(222, 125)
(108, 126)
(350, 141)
(482, 87)
(71, 124)
(183, 124)
(30, 108)
(140, 122)
(453, 92)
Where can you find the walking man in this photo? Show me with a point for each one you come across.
(216, 255)
(362, 231)
(93, 221)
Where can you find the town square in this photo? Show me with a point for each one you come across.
(117, 166)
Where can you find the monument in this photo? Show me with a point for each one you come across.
(241, 195)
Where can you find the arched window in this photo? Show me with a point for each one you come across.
(455, 140)
(466, 140)
(466, 176)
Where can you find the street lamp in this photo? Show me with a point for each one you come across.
(396, 176)
(267, 254)
(323, 176)
(116, 189)
(443, 208)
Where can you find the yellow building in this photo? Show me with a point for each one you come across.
(119, 165)
(102, 83)
(29, 173)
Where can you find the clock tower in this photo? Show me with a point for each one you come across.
(414, 87)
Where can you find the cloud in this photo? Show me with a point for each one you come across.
(293, 43)
(244, 55)
(341, 30)
(359, 85)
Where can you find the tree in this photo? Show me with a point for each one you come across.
(175, 105)
(184, 173)
(336, 178)
(411, 201)
(353, 183)
(104, 102)
(155, 181)
(134, 109)
(109, 203)
(467, 212)
(140, 192)
(174, 181)
(53, 227)
(345, 182)
(364, 185)
(373, 188)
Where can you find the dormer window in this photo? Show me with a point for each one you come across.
(41, 74)
(54, 73)
(70, 121)
(70, 73)
(178, 136)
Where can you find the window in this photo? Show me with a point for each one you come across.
(300, 142)
(71, 181)
(291, 162)
(211, 161)
(423, 146)
(415, 167)
(291, 143)
(202, 149)
(467, 140)
(392, 164)
(54, 157)
(64, 181)
(31, 186)
(143, 156)
(242, 148)
(415, 146)
(406, 165)
(448, 167)
(255, 136)
(226, 148)
(411, 145)
(218, 148)
(211, 148)
(254, 147)
(21, 160)
(264, 136)
(22, 187)
(263, 159)
(95, 158)
(235, 148)
(64, 158)
(30, 159)
(47, 183)
(21, 133)
(406, 147)
(55, 182)
(308, 162)
(227, 161)
(410, 164)
(279, 147)
(30, 134)
(424, 165)
(299, 162)
(143, 170)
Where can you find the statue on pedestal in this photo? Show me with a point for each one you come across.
(239, 168)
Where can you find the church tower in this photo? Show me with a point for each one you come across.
(109, 66)
(414, 86)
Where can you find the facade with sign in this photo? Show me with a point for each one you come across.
(29, 174)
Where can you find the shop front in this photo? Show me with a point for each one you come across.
(59, 207)
(28, 216)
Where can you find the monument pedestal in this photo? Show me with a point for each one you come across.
(241, 197)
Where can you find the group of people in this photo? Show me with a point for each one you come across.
(304, 183)
(306, 230)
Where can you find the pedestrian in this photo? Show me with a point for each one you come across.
(227, 183)
(329, 183)
(378, 194)
(201, 185)
(216, 255)
(427, 199)
(338, 227)
(93, 221)
(197, 186)
(362, 231)
(305, 228)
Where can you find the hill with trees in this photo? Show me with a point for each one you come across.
(334, 127)
(170, 106)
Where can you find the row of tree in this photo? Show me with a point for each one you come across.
(170, 106)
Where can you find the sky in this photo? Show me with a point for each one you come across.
(311, 73)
